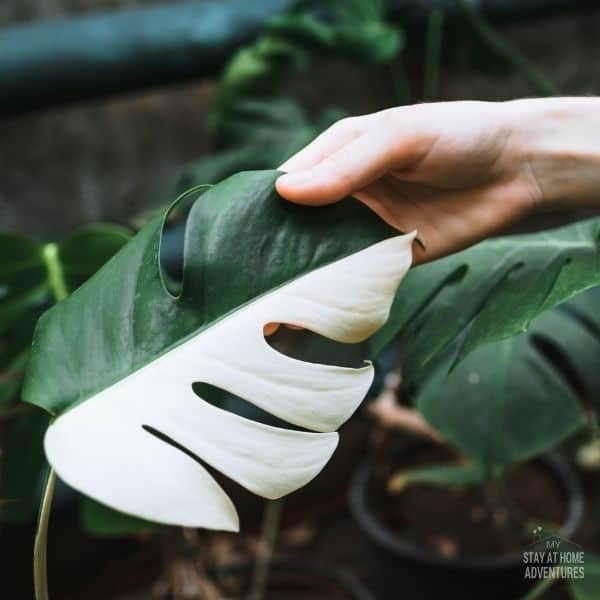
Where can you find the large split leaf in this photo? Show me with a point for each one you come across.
(571, 337)
(501, 405)
(519, 397)
(116, 361)
(490, 291)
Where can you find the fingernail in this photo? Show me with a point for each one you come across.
(296, 179)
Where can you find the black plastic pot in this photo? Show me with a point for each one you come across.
(399, 568)
(306, 578)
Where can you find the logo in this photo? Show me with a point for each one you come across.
(553, 557)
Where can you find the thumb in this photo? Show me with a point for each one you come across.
(345, 171)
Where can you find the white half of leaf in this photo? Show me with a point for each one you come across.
(100, 448)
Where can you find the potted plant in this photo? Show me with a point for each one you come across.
(453, 514)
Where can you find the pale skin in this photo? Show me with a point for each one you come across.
(457, 172)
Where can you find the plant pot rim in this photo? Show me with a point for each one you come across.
(379, 534)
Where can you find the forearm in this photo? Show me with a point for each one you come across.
(558, 141)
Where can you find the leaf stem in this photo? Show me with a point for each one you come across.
(495, 509)
(56, 276)
(270, 527)
(40, 577)
(516, 513)
(59, 288)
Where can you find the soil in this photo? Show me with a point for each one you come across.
(287, 585)
(459, 522)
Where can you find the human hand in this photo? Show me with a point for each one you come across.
(457, 172)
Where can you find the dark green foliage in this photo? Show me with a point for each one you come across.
(513, 399)
(489, 292)
(124, 317)
(26, 278)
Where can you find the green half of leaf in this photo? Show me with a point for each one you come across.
(241, 241)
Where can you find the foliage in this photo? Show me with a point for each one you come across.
(135, 319)
(251, 125)
(27, 276)
(511, 400)
(26, 286)
(489, 292)
(124, 321)
(101, 521)
(262, 132)
(584, 588)
(266, 133)
(352, 31)
(23, 464)
(587, 587)
(455, 305)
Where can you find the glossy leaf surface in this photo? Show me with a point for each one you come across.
(116, 361)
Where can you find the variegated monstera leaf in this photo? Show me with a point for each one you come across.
(115, 363)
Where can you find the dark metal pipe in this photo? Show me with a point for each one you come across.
(61, 61)
(49, 63)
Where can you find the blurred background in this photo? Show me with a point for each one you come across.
(107, 158)
(108, 110)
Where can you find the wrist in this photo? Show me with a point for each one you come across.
(556, 143)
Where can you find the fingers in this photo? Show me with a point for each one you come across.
(355, 152)
(326, 143)
(447, 220)
(346, 170)
(271, 328)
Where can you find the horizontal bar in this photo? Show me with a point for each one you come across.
(49, 63)
(53, 62)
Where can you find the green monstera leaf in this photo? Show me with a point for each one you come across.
(117, 362)
(571, 335)
(501, 405)
(27, 276)
(22, 466)
(519, 397)
(23, 276)
(100, 521)
(489, 292)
